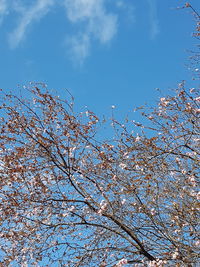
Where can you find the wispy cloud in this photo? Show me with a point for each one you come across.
(99, 25)
(128, 8)
(3, 9)
(79, 47)
(92, 21)
(28, 16)
(154, 23)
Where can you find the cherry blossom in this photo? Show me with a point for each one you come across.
(72, 196)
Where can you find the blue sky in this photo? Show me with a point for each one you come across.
(106, 52)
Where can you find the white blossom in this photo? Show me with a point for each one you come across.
(122, 165)
(153, 211)
(103, 207)
(138, 138)
(72, 208)
(121, 262)
(123, 201)
(175, 255)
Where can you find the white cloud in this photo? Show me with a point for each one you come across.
(3, 6)
(128, 8)
(28, 16)
(103, 27)
(91, 16)
(3, 9)
(92, 21)
(79, 47)
(78, 10)
(99, 25)
(154, 23)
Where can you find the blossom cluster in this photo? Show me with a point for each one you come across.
(103, 207)
(121, 262)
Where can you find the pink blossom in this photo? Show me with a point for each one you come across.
(103, 206)
(175, 255)
(121, 262)
(123, 201)
(114, 177)
(122, 165)
(72, 208)
(163, 101)
(192, 180)
(153, 212)
(157, 263)
(137, 139)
